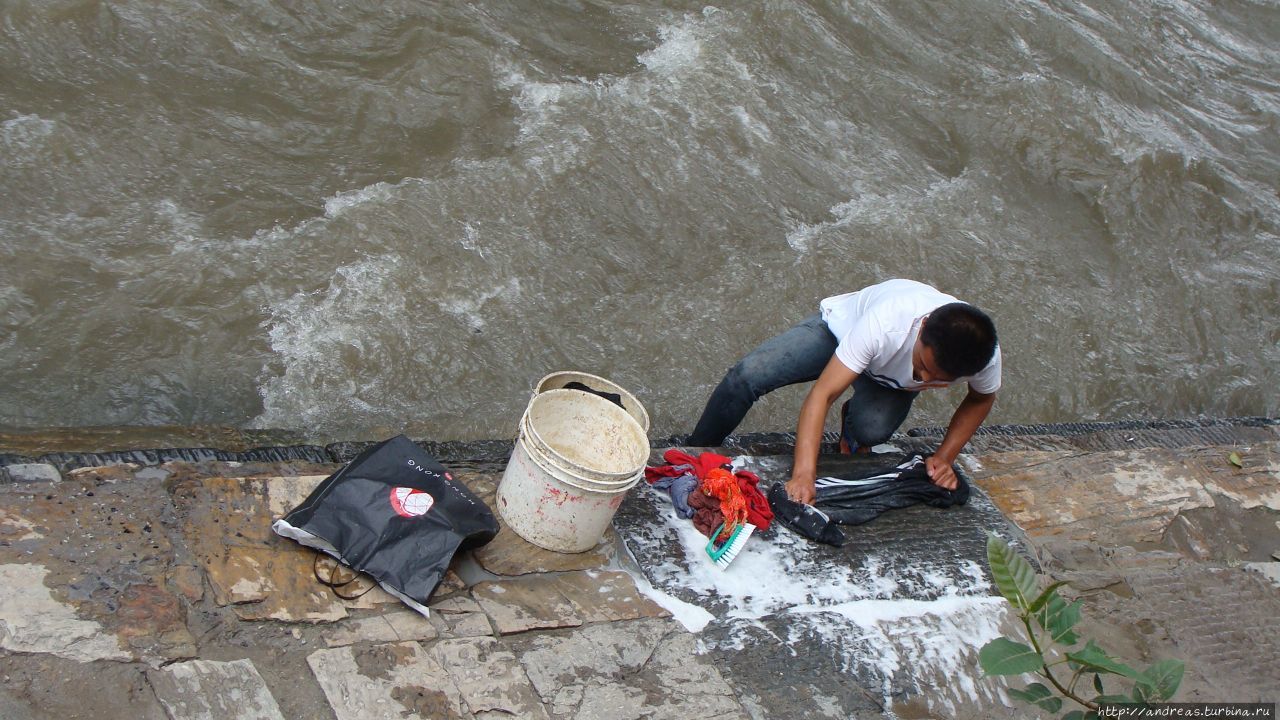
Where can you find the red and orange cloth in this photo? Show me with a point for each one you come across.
(737, 495)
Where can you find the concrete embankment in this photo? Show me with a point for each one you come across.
(137, 568)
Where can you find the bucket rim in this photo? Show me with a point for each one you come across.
(629, 400)
(526, 424)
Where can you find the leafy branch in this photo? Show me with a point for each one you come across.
(1048, 623)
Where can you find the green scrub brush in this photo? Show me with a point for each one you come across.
(725, 552)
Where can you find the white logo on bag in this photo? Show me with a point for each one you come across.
(411, 502)
(414, 464)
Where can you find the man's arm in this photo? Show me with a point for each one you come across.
(966, 420)
(834, 380)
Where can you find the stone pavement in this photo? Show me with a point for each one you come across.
(156, 590)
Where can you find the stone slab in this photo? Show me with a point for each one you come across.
(399, 626)
(1118, 497)
(460, 616)
(531, 603)
(1255, 484)
(33, 621)
(29, 472)
(102, 553)
(563, 600)
(628, 670)
(386, 682)
(45, 687)
(106, 473)
(606, 596)
(1226, 622)
(1268, 570)
(490, 679)
(209, 690)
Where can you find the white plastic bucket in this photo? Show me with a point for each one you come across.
(585, 434)
(576, 456)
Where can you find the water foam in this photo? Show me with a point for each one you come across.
(25, 131)
(25, 137)
(679, 50)
(876, 617)
(343, 202)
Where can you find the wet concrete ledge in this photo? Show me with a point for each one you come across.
(160, 589)
(67, 449)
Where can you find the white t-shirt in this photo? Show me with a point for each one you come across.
(877, 327)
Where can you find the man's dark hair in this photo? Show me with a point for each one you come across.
(962, 337)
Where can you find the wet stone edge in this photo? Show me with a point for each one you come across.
(497, 451)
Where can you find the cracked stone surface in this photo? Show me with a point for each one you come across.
(392, 627)
(491, 681)
(38, 684)
(563, 600)
(33, 621)
(459, 616)
(643, 669)
(386, 682)
(1256, 483)
(1116, 497)
(518, 606)
(154, 590)
(208, 690)
(82, 554)
(606, 596)
(1225, 621)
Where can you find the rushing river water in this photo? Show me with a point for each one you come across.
(365, 217)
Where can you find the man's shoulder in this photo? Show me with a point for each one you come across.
(904, 301)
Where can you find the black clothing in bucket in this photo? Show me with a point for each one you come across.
(394, 513)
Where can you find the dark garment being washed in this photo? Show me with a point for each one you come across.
(860, 498)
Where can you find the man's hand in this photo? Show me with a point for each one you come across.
(800, 489)
(940, 472)
(834, 380)
(964, 423)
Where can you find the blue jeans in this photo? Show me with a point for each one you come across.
(799, 355)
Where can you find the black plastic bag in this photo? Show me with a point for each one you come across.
(394, 513)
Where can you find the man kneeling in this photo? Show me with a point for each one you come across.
(889, 342)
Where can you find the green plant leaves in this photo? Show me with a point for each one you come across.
(1058, 617)
(1045, 596)
(1013, 575)
(1161, 680)
(1234, 459)
(1017, 582)
(1038, 694)
(1003, 656)
(1094, 658)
